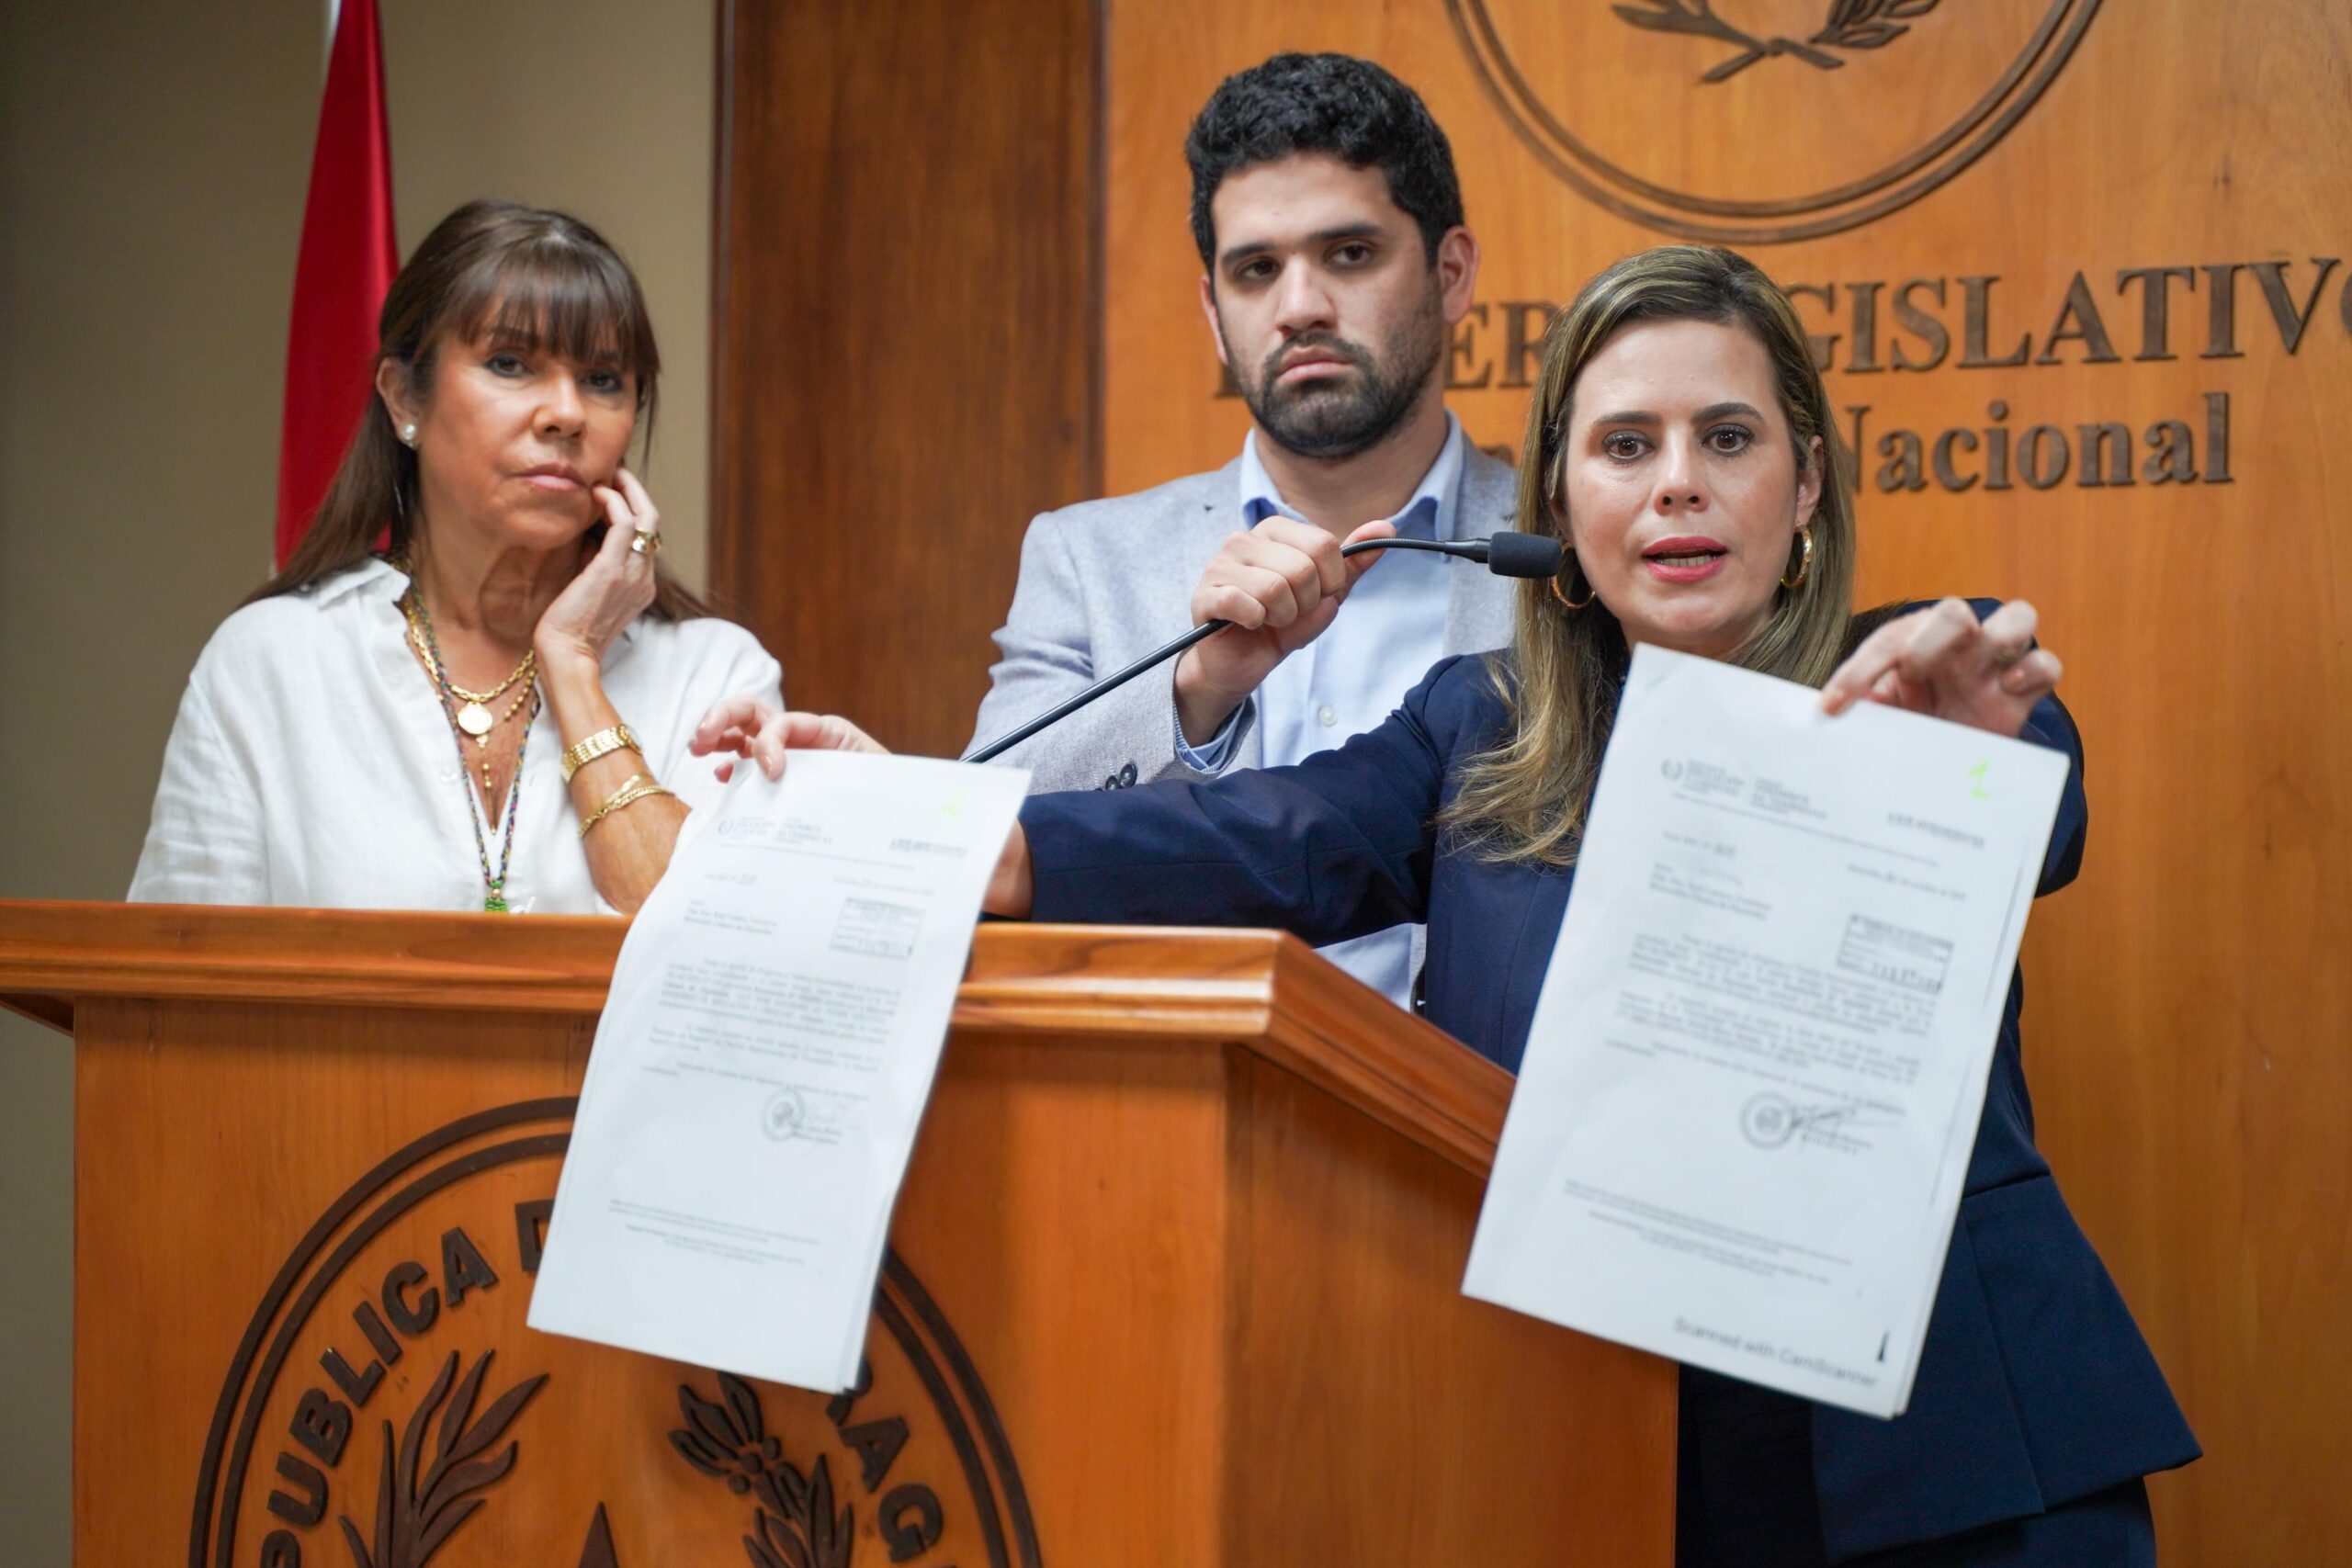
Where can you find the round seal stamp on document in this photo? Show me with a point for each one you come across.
(784, 1113)
(1767, 1121)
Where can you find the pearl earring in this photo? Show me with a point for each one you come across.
(407, 435)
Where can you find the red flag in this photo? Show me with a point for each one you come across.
(347, 262)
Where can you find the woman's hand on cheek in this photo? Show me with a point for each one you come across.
(613, 588)
(1943, 663)
(746, 727)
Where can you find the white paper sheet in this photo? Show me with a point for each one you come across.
(775, 1019)
(1754, 1075)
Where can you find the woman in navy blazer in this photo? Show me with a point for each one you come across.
(1680, 442)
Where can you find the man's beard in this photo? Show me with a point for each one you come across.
(1318, 419)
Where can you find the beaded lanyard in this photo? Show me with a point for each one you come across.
(493, 882)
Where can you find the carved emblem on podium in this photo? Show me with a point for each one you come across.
(794, 1525)
(1652, 109)
(1851, 24)
(388, 1407)
(420, 1498)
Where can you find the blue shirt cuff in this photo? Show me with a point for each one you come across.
(1211, 756)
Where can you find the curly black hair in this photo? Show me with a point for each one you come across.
(1333, 104)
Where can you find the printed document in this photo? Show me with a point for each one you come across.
(775, 1019)
(1753, 1080)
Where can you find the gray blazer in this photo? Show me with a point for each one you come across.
(1106, 582)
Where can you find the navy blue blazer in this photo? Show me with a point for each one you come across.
(2034, 1387)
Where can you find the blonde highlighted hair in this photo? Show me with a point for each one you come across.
(1525, 801)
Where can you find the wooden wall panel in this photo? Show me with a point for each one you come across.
(2189, 1032)
(904, 357)
(904, 335)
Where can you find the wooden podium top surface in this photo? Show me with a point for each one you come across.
(1264, 989)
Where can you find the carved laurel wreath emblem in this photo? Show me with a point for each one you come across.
(1851, 25)
(420, 1503)
(792, 1525)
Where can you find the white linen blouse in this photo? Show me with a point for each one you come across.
(312, 764)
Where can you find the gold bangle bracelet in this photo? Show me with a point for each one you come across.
(637, 788)
(604, 742)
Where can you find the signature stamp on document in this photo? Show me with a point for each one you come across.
(783, 1115)
(874, 928)
(1768, 1120)
(1894, 955)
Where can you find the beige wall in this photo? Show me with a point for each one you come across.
(154, 156)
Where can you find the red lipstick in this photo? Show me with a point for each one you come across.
(1685, 557)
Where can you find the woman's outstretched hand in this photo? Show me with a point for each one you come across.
(1945, 663)
(746, 727)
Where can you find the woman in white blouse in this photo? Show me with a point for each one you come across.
(471, 687)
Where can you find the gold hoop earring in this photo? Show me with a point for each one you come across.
(1572, 605)
(1804, 562)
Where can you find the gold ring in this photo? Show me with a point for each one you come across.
(646, 543)
(2006, 656)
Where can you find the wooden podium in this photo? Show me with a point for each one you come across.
(1174, 1279)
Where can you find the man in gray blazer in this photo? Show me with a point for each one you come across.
(1330, 223)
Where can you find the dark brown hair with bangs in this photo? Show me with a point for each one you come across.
(543, 278)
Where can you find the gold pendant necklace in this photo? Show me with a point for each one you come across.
(473, 715)
(494, 881)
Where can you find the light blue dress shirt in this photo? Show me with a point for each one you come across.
(1349, 678)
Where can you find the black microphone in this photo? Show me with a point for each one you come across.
(1506, 554)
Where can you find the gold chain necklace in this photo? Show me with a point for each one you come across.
(494, 881)
(473, 707)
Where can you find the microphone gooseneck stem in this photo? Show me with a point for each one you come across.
(1111, 681)
(1468, 549)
